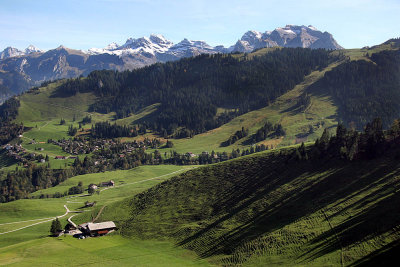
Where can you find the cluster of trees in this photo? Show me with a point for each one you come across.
(19, 183)
(350, 144)
(365, 90)
(72, 130)
(8, 112)
(86, 120)
(210, 158)
(108, 130)
(269, 130)
(78, 189)
(190, 90)
(235, 137)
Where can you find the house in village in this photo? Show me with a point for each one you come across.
(107, 184)
(97, 229)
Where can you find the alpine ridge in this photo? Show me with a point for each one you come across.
(34, 66)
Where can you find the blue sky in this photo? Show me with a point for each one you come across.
(87, 23)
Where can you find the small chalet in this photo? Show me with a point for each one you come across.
(97, 229)
(108, 184)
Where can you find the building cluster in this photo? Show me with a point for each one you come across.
(80, 147)
(18, 153)
(74, 147)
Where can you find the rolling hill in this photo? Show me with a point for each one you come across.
(265, 210)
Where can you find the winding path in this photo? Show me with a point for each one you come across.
(46, 220)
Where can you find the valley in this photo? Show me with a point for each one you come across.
(242, 159)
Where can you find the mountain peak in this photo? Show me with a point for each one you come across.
(11, 52)
(288, 36)
(111, 46)
(160, 39)
(32, 49)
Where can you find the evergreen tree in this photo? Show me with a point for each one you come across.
(55, 226)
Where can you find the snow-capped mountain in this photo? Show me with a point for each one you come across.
(288, 36)
(32, 49)
(164, 50)
(36, 66)
(14, 52)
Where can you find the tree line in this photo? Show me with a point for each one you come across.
(8, 129)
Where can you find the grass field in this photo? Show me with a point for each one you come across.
(105, 251)
(32, 246)
(261, 211)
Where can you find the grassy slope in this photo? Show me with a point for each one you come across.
(31, 246)
(322, 109)
(261, 211)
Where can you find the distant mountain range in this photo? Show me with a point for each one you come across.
(33, 66)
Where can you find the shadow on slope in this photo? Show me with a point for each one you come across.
(216, 210)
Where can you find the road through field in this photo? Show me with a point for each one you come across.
(44, 220)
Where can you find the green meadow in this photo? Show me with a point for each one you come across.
(261, 210)
(32, 246)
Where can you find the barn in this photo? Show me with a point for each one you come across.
(97, 229)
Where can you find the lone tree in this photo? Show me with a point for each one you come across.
(55, 226)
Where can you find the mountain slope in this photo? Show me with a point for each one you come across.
(39, 66)
(263, 210)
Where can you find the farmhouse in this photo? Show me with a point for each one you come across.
(110, 183)
(97, 229)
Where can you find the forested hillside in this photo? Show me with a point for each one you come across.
(364, 89)
(191, 90)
